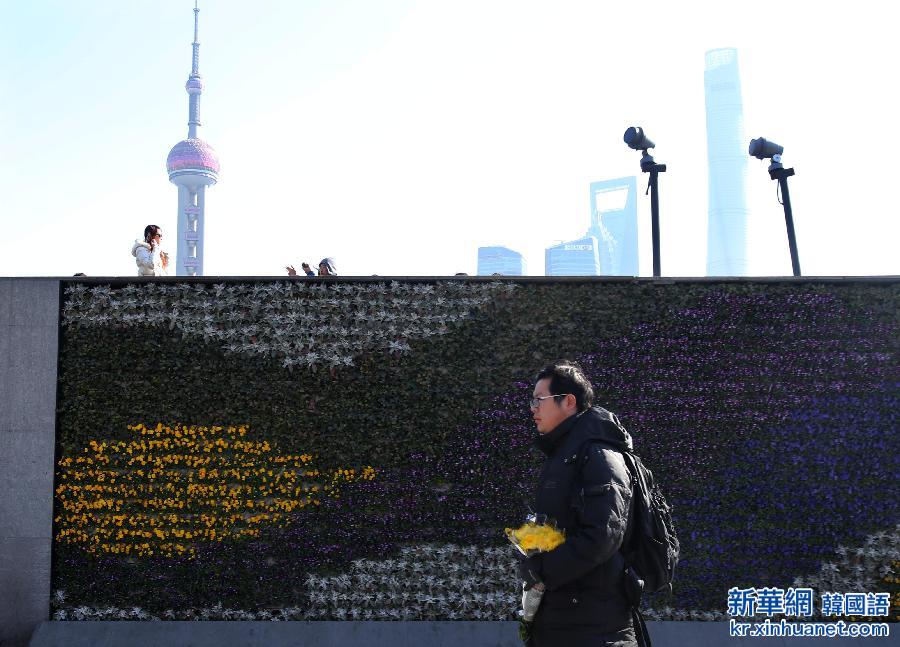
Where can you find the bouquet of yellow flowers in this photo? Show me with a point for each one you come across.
(534, 537)
(537, 535)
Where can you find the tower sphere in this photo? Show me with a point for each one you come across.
(193, 157)
(194, 84)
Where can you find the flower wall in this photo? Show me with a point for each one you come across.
(353, 449)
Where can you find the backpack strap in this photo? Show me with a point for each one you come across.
(640, 627)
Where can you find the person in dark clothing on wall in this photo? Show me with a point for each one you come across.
(586, 488)
(326, 268)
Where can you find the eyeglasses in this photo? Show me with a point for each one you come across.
(535, 403)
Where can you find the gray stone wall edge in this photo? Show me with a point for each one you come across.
(29, 326)
(377, 634)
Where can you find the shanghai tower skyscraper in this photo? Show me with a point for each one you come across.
(726, 243)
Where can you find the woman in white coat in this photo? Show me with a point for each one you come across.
(150, 259)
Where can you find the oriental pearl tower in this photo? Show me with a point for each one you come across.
(192, 165)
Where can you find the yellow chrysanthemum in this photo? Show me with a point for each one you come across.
(532, 536)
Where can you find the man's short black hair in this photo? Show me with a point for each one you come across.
(567, 377)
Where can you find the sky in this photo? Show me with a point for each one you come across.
(398, 136)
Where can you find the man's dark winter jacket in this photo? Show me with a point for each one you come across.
(585, 595)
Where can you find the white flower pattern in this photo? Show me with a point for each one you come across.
(302, 324)
(450, 582)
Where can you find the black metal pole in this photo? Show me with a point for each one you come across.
(782, 174)
(654, 211)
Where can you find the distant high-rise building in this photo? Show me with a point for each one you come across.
(500, 260)
(726, 244)
(192, 165)
(610, 245)
(614, 225)
(574, 258)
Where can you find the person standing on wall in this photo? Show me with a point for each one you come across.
(326, 268)
(586, 488)
(148, 254)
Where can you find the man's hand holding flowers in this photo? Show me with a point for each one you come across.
(535, 536)
(530, 571)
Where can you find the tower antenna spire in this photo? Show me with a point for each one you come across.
(194, 84)
(196, 15)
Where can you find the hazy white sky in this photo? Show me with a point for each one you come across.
(398, 136)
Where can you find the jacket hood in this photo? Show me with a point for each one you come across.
(600, 424)
(593, 424)
(139, 243)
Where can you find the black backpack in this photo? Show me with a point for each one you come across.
(653, 548)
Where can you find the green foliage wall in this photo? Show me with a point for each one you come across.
(373, 422)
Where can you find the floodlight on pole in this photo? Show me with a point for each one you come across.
(762, 149)
(637, 140)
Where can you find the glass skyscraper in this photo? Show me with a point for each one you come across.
(614, 225)
(726, 146)
(610, 245)
(575, 258)
(500, 260)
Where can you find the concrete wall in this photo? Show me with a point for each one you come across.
(29, 313)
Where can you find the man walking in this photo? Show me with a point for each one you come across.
(586, 488)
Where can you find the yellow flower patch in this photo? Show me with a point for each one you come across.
(169, 488)
(532, 536)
